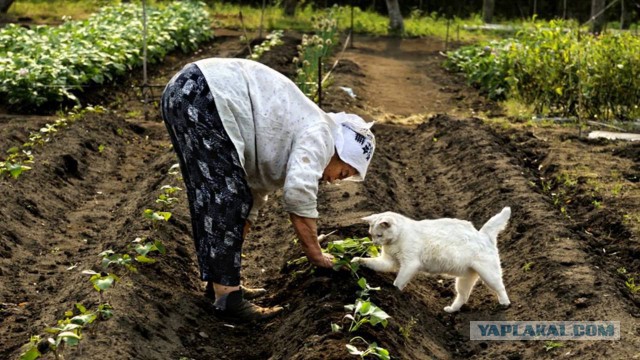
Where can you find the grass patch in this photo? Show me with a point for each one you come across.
(48, 11)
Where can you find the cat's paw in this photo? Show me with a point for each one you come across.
(357, 260)
(505, 305)
(450, 309)
(399, 286)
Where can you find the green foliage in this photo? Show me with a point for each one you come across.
(631, 285)
(484, 67)
(345, 250)
(372, 349)
(550, 345)
(15, 162)
(312, 52)
(558, 71)
(272, 40)
(156, 216)
(406, 330)
(45, 63)
(110, 257)
(365, 289)
(365, 312)
(143, 251)
(101, 281)
(165, 199)
(67, 332)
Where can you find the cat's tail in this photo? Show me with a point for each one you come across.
(496, 224)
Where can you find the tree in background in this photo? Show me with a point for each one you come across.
(625, 14)
(487, 10)
(4, 5)
(598, 18)
(289, 7)
(396, 24)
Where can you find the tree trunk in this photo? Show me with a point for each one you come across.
(290, 7)
(4, 5)
(625, 15)
(396, 24)
(487, 10)
(597, 15)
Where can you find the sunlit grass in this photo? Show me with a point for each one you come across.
(53, 11)
(364, 21)
(225, 15)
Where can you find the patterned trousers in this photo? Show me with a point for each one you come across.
(219, 196)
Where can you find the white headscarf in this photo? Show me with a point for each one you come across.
(354, 141)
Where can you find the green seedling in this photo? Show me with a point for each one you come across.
(156, 216)
(617, 188)
(631, 285)
(365, 288)
(550, 345)
(49, 128)
(527, 266)
(104, 311)
(372, 349)
(67, 332)
(101, 281)
(110, 257)
(174, 169)
(144, 249)
(101, 148)
(405, 331)
(365, 312)
(165, 199)
(273, 39)
(30, 351)
(13, 169)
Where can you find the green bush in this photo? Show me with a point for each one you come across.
(48, 64)
(558, 71)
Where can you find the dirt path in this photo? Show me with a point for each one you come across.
(404, 80)
(79, 201)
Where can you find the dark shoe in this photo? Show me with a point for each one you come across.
(238, 309)
(247, 293)
(252, 293)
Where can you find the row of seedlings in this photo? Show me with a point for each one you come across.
(68, 331)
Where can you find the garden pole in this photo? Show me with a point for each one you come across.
(144, 60)
(579, 89)
(264, 4)
(446, 40)
(244, 31)
(351, 30)
(320, 81)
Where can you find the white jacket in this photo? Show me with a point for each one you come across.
(283, 139)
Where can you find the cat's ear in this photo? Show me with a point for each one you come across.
(387, 222)
(370, 218)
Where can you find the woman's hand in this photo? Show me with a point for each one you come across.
(324, 260)
(306, 230)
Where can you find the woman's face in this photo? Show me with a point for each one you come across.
(338, 170)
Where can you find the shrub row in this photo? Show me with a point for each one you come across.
(49, 64)
(559, 72)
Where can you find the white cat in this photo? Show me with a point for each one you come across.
(441, 246)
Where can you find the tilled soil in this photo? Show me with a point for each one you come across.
(561, 253)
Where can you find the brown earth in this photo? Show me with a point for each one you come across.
(575, 224)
